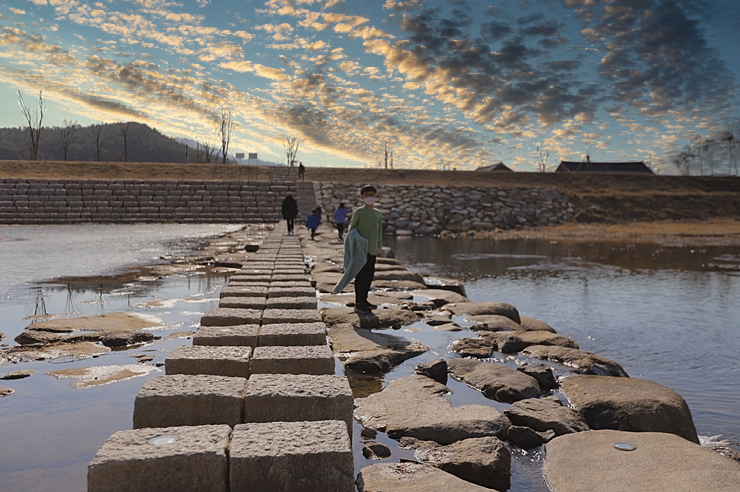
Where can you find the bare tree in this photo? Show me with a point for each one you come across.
(33, 120)
(66, 132)
(97, 134)
(124, 134)
(731, 144)
(291, 149)
(227, 126)
(204, 152)
(542, 155)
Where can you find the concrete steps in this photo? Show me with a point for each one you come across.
(253, 404)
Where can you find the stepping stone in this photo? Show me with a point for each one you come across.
(243, 291)
(276, 292)
(251, 270)
(411, 477)
(297, 397)
(289, 278)
(272, 316)
(201, 359)
(178, 399)
(230, 316)
(290, 271)
(291, 457)
(232, 336)
(316, 359)
(242, 302)
(291, 284)
(249, 283)
(660, 462)
(286, 334)
(292, 303)
(145, 459)
(239, 277)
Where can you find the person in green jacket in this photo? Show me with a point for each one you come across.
(369, 224)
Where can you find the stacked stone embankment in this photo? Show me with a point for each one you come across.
(253, 404)
(43, 201)
(427, 209)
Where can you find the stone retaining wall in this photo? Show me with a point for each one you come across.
(428, 209)
(42, 201)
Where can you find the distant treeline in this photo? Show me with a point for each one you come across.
(102, 143)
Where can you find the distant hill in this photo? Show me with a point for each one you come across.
(145, 144)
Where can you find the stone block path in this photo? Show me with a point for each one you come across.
(253, 404)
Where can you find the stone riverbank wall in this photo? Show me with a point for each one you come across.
(253, 404)
(425, 210)
(41, 201)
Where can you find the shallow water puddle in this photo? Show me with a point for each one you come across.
(88, 377)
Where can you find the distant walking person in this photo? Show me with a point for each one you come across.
(301, 171)
(340, 216)
(312, 223)
(290, 211)
(369, 224)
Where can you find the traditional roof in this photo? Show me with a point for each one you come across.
(495, 167)
(604, 167)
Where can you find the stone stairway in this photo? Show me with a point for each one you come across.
(303, 191)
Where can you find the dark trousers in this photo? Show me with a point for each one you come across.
(340, 228)
(291, 224)
(363, 280)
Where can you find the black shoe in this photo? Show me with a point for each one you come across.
(370, 305)
(362, 309)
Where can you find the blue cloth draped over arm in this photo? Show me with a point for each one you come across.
(355, 257)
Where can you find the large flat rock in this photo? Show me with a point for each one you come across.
(512, 342)
(546, 414)
(583, 361)
(415, 406)
(495, 381)
(291, 457)
(366, 352)
(441, 294)
(480, 308)
(588, 461)
(379, 318)
(129, 461)
(484, 461)
(629, 404)
(411, 477)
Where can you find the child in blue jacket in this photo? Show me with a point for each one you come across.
(312, 222)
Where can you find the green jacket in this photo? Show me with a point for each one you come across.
(369, 223)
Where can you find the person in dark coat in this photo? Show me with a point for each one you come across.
(290, 211)
(301, 172)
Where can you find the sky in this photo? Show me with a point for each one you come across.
(446, 84)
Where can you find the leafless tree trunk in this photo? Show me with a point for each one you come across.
(731, 144)
(227, 126)
(543, 155)
(124, 133)
(66, 132)
(291, 149)
(34, 119)
(97, 136)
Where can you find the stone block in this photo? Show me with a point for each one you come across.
(275, 292)
(291, 457)
(134, 460)
(238, 277)
(231, 316)
(272, 316)
(202, 359)
(286, 334)
(291, 303)
(233, 336)
(251, 270)
(312, 359)
(297, 397)
(244, 291)
(289, 277)
(178, 399)
(292, 284)
(242, 302)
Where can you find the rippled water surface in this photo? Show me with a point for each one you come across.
(660, 312)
